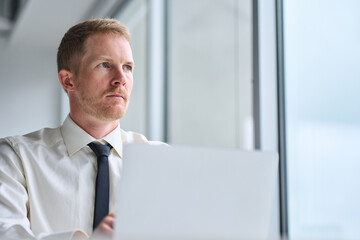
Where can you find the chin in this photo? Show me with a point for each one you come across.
(114, 116)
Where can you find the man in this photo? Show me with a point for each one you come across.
(48, 178)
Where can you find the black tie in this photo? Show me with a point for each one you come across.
(101, 208)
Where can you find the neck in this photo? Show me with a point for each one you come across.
(94, 127)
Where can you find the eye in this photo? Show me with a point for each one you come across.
(105, 65)
(128, 68)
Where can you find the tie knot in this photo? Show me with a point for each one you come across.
(100, 150)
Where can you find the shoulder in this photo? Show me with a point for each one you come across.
(133, 137)
(16, 152)
(44, 137)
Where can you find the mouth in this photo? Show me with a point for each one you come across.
(116, 96)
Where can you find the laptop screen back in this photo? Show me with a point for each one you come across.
(193, 193)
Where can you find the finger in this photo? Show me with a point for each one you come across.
(109, 221)
(106, 228)
(112, 214)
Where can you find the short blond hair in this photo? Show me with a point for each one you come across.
(72, 46)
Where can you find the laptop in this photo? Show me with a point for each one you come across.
(195, 193)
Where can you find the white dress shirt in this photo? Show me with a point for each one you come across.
(47, 181)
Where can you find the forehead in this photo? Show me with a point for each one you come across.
(113, 45)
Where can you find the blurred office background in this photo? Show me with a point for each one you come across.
(278, 75)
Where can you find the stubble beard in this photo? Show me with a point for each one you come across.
(95, 107)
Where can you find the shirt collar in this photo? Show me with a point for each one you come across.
(114, 139)
(76, 138)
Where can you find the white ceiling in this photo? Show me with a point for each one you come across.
(42, 23)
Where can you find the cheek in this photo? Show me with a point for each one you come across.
(129, 85)
(93, 82)
(91, 88)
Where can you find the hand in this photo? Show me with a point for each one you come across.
(105, 227)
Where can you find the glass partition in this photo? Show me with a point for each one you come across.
(210, 73)
(321, 43)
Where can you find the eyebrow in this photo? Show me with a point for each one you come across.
(104, 58)
(130, 63)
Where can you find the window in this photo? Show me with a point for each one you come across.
(321, 56)
(210, 73)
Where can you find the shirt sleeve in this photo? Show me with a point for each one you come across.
(14, 201)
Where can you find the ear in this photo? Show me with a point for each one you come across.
(66, 79)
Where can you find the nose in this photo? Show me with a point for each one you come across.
(119, 78)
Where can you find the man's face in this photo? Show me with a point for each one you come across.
(105, 77)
